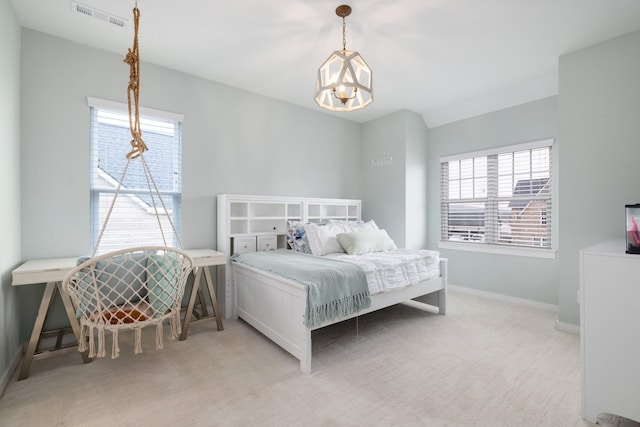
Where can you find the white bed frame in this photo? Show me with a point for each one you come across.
(276, 306)
(272, 304)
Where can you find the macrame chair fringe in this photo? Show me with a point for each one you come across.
(92, 344)
(115, 349)
(137, 347)
(101, 349)
(174, 325)
(159, 343)
(82, 344)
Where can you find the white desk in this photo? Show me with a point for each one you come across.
(52, 272)
(203, 258)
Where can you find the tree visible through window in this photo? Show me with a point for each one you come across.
(133, 221)
(498, 197)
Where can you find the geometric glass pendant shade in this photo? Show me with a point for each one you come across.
(344, 81)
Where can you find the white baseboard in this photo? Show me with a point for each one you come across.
(504, 298)
(6, 375)
(568, 327)
(561, 326)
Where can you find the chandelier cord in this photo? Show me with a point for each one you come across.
(344, 35)
(133, 89)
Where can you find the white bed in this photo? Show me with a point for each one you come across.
(276, 306)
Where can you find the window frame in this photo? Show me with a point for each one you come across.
(492, 246)
(172, 198)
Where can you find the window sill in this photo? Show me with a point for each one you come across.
(500, 250)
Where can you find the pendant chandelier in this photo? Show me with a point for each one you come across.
(344, 81)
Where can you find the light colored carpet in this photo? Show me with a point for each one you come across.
(486, 363)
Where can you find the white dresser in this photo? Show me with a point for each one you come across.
(610, 331)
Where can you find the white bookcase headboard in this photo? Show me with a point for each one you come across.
(250, 223)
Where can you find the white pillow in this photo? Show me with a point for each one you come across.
(322, 237)
(366, 241)
(361, 225)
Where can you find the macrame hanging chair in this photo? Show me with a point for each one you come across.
(135, 287)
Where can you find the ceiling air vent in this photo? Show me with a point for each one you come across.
(86, 10)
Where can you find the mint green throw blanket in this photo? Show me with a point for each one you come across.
(336, 288)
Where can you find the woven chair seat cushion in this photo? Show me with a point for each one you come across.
(125, 313)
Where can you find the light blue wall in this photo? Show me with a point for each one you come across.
(233, 142)
(521, 277)
(599, 117)
(395, 194)
(416, 182)
(383, 187)
(9, 185)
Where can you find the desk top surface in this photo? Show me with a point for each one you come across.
(54, 269)
(206, 257)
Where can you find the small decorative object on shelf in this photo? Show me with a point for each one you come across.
(633, 233)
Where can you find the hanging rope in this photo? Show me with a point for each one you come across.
(133, 59)
(138, 147)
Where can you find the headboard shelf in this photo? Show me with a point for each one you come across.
(249, 223)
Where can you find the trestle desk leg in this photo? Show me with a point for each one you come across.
(192, 302)
(73, 320)
(214, 299)
(47, 297)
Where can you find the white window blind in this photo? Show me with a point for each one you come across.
(498, 197)
(133, 221)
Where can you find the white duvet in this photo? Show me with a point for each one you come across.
(394, 269)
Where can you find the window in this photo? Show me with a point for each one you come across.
(498, 197)
(133, 221)
(539, 241)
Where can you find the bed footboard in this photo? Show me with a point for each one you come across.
(276, 306)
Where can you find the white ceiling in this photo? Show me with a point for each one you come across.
(444, 59)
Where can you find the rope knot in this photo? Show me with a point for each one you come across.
(130, 58)
(137, 146)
